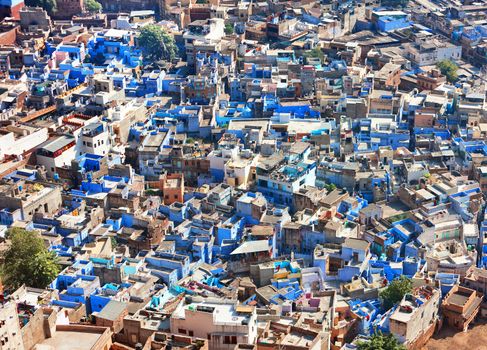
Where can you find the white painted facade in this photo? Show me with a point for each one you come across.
(16, 140)
(215, 320)
(95, 144)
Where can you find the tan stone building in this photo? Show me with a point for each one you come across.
(460, 307)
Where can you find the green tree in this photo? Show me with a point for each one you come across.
(330, 187)
(449, 69)
(114, 242)
(151, 192)
(156, 44)
(395, 291)
(27, 261)
(315, 53)
(48, 5)
(379, 341)
(228, 29)
(93, 6)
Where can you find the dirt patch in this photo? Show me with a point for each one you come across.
(448, 338)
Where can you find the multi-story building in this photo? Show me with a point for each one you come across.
(450, 256)
(149, 151)
(431, 51)
(414, 319)
(169, 267)
(203, 36)
(430, 80)
(56, 153)
(476, 279)
(460, 306)
(22, 200)
(17, 140)
(224, 323)
(68, 8)
(95, 139)
(10, 327)
(281, 182)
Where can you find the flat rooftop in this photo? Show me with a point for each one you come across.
(154, 141)
(70, 340)
(458, 299)
(222, 313)
(297, 339)
(55, 144)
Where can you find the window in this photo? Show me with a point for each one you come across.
(181, 330)
(208, 336)
(190, 333)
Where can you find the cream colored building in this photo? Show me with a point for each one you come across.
(223, 323)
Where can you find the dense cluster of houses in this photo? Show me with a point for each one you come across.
(260, 190)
